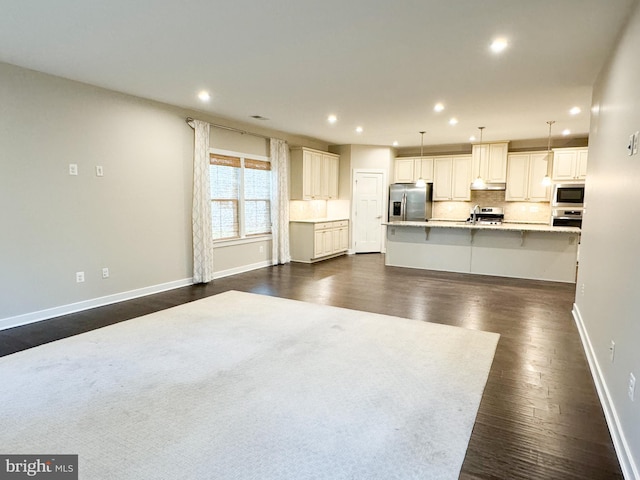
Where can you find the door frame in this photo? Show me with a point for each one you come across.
(384, 200)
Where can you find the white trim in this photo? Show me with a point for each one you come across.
(623, 451)
(242, 269)
(48, 313)
(241, 241)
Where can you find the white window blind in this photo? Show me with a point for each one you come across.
(257, 194)
(240, 196)
(225, 196)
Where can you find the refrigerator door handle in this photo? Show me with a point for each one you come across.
(404, 207)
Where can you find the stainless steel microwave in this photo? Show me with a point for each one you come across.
(568, 195)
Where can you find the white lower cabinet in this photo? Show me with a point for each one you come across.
(312, 241)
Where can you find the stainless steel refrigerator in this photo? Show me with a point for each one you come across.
(407, 202)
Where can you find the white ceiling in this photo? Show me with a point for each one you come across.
(380, 64)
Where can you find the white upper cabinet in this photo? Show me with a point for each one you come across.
(314, 174)
(403, 170)
(423, 168)
(410, 169)
(452, 178)
(490, 161)
(570, 164)
(525, 172)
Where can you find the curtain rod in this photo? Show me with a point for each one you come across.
(189, 121)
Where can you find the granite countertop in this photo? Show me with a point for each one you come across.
(320, 220)
(515, 226)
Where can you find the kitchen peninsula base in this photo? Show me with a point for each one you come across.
(537, 253)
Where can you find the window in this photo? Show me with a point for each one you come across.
(240, 196)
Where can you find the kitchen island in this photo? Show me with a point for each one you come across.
(520, 250)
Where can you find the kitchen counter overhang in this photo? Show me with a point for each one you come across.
(505, 226)
(520, 250)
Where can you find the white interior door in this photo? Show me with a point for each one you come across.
(368, 215)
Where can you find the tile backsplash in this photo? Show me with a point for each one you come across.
(538, 212)
(307, 209)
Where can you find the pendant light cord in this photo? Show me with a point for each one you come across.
(550, 122)
(481, 149)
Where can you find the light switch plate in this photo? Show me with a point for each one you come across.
(73, 169)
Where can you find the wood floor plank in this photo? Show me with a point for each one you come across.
(540, 417)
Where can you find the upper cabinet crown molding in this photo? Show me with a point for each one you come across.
(313, 174)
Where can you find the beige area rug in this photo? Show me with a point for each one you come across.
(244, 386)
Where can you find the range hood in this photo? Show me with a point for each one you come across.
(490, 186)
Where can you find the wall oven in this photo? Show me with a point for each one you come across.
(563, 217)
(569, 195)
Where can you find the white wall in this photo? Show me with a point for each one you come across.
(133, 220)
(360, 157)
(609, 308)
(136, 220)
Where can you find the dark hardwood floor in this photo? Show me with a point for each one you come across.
(540, 417)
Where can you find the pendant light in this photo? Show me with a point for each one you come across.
(420, 182)
(546, 181)
(479, 182)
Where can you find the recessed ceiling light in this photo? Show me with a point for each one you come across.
(438, 107)
(395, 143)
(204, 96)
(453, 121)
(498, 45)
(259, 117)
(566, 132)
(359, 129)
(575, 111)
(472, 138)
(332, 119)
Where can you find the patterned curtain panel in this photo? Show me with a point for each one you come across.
(280, 201)
(201, 213)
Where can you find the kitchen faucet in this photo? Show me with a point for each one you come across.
(474, 214)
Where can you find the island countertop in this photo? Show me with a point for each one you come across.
(522, 250)
(505, 226)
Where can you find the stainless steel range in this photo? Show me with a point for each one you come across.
(486, 215)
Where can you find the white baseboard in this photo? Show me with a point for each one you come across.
(623, 451)
(241, 269)
(32, 317)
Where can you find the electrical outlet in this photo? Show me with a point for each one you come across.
(582, 289)
(632, 387)
(636, 139)
(612, 350)
(105, 272)
(73, 169)
(79, 277)
(99, 171)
